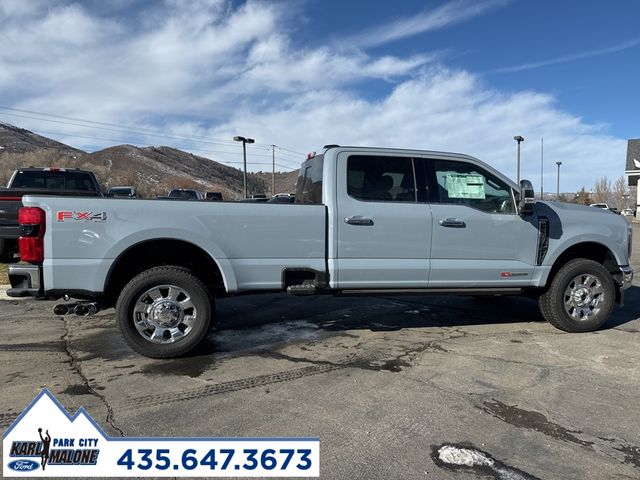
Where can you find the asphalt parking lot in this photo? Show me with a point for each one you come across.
(384, 382)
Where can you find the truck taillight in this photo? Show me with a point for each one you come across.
(31, 241)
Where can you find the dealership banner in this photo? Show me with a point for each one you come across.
(45, 441)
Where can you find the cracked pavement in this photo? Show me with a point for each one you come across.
(381, 381)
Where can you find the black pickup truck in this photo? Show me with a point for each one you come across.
(38, 181)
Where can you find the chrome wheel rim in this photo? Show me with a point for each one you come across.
(164, 314)
(583, 297)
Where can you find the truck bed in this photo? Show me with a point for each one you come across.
(250, 245)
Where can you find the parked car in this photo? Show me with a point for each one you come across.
(70, 182)
(185, 194)
(213, 196)
(628, 212)
(282, 198)
(604, 206)
(367, 221)
(122, 192)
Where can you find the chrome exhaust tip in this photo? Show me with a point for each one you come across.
(85, 309)
(61, 309)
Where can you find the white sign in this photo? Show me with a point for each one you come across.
(45, 441)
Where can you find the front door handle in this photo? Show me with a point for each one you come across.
(358, 220)
(452, 223)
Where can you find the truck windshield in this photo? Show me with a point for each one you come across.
(53, 180)
(309, 184)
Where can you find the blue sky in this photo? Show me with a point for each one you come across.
(457, 75)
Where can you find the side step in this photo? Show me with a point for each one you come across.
(309, 289)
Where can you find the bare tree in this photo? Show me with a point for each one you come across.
(621, 193)
(582, 197)
(602, 192)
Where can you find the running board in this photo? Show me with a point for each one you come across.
(302, 289)
(426, 291)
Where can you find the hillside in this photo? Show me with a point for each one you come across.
(18, 140)
(153, 170)
(285, 181)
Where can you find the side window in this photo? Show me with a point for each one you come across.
(466, 184)
(381, 179)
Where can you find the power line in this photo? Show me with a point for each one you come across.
(93, 137)
(120, 128)
(292, 151)
(225, 162)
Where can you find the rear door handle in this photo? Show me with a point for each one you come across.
(452, 223)
(358, 220)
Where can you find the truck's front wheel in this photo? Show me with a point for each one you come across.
(164, 312)
(580, 298)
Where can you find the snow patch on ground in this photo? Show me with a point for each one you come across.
(464, 456)
(469, 457)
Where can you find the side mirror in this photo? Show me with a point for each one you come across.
(526, 202)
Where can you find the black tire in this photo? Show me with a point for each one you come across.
(562, 310)
(184, 327)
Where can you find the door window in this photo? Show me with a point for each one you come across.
(381, 179)
(463, 183)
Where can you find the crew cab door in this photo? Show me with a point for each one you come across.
(383, 227)
(478, 238)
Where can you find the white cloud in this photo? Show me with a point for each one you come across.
(212, 70)
(572, 57)
(451, 13)
(445, 110)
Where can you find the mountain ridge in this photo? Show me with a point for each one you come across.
(154, 170)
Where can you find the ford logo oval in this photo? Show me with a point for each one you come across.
(23, 465)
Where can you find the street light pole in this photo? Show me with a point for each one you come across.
(244, 156)
(518, 138)
(558, 184)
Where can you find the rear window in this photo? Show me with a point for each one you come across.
(381, 178)
(309, 184)
(54, 180)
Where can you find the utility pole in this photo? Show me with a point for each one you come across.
(273, 171)
(541, 168)
(558, 186)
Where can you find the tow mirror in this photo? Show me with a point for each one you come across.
(525, 205)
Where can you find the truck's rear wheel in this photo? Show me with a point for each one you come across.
(164, 312)
(580, 298)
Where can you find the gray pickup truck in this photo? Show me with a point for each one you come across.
(368, 221)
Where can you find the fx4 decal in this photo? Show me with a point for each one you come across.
(68, 215)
